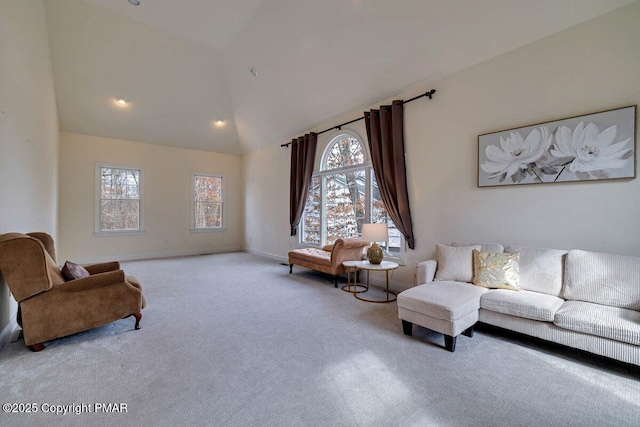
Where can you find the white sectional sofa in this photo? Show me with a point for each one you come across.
(581, 299)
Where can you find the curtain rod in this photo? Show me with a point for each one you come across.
(339, 127)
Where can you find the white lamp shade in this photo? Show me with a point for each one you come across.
(375, 232)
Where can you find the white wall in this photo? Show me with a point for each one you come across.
(588, 68)
(28, 129)
(266, 193)
(166, 204)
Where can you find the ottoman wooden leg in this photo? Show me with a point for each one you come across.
(407, 328)
(468, 332)
(450, 343)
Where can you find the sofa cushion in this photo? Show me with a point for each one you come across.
(496, 270)
(615, 323)
(442, 300)
(455, 263)
(484, 247)
(541, 270)
(606, 279)
(313, 255)
(526, 304)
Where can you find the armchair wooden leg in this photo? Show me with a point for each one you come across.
(335, 281)
(138, 316)
(37, 347)
(290, 268)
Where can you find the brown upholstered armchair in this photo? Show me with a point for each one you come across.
(49, 306)
(329, 259)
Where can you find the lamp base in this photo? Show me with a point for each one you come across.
(374, 254)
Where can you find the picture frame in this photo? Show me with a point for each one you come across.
(590, 147)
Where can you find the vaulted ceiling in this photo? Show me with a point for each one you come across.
(182, 65)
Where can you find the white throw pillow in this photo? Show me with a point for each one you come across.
(455, 264)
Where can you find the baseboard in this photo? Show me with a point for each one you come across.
(8, 332)
(275, 257)
(156, 255)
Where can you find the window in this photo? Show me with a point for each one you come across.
(343, 196)
(207, 202)
(119, 199)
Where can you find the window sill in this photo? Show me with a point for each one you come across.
(208, 230)
(308, 245)
(118, 233)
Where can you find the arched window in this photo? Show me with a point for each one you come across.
(343, 151)
(344, 196)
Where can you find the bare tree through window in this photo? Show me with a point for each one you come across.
(119, 199)
(340, 202)
(207, 201)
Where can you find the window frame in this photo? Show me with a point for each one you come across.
(222, 226)
(322, 172)
(98, 231)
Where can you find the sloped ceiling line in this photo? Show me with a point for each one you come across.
(185, 65)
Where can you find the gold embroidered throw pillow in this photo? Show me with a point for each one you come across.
(496, 270)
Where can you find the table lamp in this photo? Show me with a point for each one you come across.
(375, 233)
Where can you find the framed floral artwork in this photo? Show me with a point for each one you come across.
(591, 147)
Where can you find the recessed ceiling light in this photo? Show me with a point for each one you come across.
(121, 101)
(135, 2)
(219, 122)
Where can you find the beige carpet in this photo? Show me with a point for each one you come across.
(234, 340)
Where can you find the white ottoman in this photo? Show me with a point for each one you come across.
(450, 308)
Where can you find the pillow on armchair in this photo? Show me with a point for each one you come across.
(73, 271)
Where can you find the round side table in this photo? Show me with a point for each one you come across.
(352, 268)
(385, 266)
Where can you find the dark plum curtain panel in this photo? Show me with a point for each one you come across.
(385, 132)
(303, 154)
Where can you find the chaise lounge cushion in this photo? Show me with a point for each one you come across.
(527, 304)
(606, 279)
(311, 255)
(541, 270)
(608, 322)
(329, 262)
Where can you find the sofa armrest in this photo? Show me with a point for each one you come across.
(102, 267)
(426, 271)
(92, 282)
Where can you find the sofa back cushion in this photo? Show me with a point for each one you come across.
(541, 270)
(605, 279)
(484, 247)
